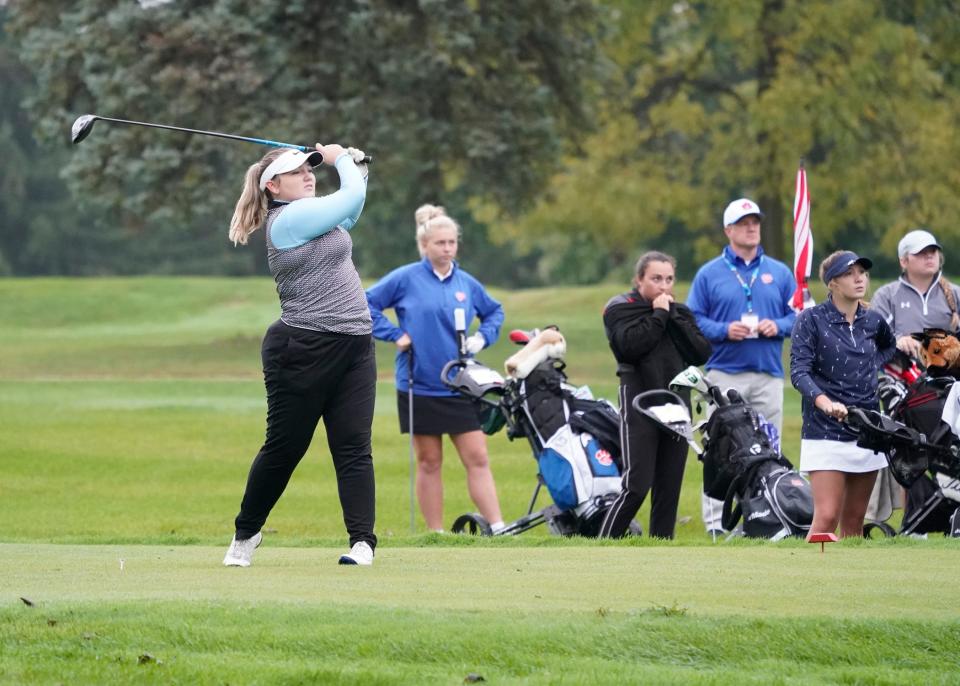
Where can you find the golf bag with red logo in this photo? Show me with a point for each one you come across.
(574, 439)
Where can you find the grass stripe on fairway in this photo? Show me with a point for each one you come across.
(514, 615)
(848, 581)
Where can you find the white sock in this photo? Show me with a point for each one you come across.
(498, 526)
(437, 531)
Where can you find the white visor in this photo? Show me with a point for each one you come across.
(287, 162)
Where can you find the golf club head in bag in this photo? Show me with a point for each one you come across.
(668, 410)
(691, 378)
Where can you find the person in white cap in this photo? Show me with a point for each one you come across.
(741, 300)
(318, 358)
(921, 298)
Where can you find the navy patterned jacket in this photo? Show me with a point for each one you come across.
(830, 356)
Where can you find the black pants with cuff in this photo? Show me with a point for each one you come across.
(653, 460)
(311, 375)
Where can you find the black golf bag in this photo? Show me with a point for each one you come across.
(923, 454)
(754, 480)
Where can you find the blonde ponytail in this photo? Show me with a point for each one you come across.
(251, 208)
(429, 218)
(947, 289)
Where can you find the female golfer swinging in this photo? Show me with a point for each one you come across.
(318, 359)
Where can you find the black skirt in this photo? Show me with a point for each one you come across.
(434, 416)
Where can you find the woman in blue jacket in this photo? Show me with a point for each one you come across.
(838, 348)
(425, 296)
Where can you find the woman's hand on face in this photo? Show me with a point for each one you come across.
(663, 301)
(831, 408)
(331, 152)
(404, 343)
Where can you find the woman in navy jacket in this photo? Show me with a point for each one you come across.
(425, 296)
(838, 348)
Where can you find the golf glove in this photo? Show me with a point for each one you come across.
(475, 343)
(357, 156)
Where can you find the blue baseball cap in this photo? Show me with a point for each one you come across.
(842, 263)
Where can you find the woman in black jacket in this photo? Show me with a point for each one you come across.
(653, 339)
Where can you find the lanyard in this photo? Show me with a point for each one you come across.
(747, 287)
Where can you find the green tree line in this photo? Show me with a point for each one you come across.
(565, 135)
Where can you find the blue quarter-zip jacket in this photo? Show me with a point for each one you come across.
(717, 298)
(829, 355)
(425, 306)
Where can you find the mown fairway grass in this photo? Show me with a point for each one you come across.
(130, 410)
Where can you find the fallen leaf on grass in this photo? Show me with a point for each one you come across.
(472, 678)
(146, 658)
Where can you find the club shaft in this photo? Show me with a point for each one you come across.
(217, 134)
(248, 139)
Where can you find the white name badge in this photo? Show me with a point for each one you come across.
(750, 320)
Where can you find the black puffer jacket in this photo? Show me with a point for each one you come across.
(652, 345)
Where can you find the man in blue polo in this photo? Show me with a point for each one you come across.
(741, 300)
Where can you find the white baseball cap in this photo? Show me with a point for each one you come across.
(287, 162)
(739, 209)
(916, 241)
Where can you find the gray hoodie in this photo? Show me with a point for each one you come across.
(907, 310)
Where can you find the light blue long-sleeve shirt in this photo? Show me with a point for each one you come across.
(305, 219)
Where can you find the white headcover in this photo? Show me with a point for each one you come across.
(549, 344)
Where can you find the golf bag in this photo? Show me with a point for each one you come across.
(922, 452)
(756, 482)
(575, 466)
(575, 441)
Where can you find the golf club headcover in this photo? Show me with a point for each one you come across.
(549, 344)
(939, 351)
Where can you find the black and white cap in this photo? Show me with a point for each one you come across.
(287, 162)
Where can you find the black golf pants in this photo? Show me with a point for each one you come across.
(653, 461)
(311, 375)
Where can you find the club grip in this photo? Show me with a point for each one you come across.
(367, 159)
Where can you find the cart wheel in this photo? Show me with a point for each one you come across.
(472, 523)
(883, 528)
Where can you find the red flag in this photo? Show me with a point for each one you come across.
(802, 242)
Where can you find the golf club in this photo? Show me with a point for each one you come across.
(84, 125)
(413, 526)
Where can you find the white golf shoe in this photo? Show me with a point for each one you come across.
(240, 553)
(360, 554)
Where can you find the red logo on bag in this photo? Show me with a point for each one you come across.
(461, 296)
(767, 278)
(603, 457)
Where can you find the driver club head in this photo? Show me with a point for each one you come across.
(82, 127)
